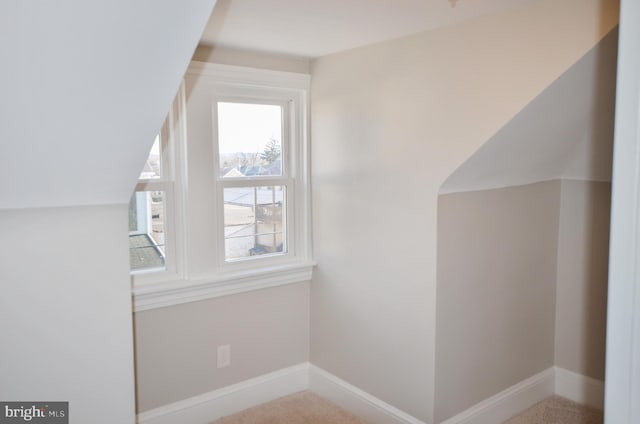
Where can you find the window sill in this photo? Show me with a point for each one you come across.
(169, 293)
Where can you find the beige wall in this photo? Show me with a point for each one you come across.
(274, 62)
(581, 306)
(176, 346)
(497, 253)
(390, 122)
(522, 283)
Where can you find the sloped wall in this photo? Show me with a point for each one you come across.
(565, 132)
(87, 87)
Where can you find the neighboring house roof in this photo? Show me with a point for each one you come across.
(274, 168)
(233, 172)
(144, 253)
(244, 196)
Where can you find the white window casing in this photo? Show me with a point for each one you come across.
(196, 267)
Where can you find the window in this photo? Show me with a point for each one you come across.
(223, 203)
(147, 249)
(260, 181)
(252, 178)
(152, 218)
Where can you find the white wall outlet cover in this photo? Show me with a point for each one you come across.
(224, 356)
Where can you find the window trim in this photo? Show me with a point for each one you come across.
(169, 183)
(156, 290)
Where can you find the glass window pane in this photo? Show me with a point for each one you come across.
(153, 166)
(147, 230)
(253, 221)
(249, 139)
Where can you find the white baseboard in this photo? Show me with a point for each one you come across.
(210, 406)
(579, 388)
(356, 401)
(509, 402)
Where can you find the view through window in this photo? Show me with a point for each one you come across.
(252, 173)
(147, 215)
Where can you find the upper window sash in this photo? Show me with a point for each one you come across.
(284, 136)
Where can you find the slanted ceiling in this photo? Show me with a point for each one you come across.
(85, 87)
(565, 132)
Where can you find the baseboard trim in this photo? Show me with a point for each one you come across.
(203, 409)
(579, 388)
(509, 402)
(356, 401)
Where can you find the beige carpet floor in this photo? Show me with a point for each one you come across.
(308, 408)
(300, 408)
(557, 410)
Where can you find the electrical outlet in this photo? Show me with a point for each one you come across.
(224, 356)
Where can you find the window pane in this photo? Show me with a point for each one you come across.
(147, 230)
(253, 221)
(153, 166)
(249, 139)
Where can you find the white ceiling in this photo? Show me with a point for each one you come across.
(313, 28)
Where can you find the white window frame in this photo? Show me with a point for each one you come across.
(192, 282)
(169, 155)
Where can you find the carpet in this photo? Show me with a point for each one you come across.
(300, 408)
(557, 410)
(308, 408)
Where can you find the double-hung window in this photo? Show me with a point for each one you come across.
(241, 187)
(255, 147)
(149, 247)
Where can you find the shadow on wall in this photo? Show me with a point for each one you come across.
(523, 228)
(565, 132)
(583, 247)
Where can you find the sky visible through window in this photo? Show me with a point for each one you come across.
(153, 166)
(246, 127)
